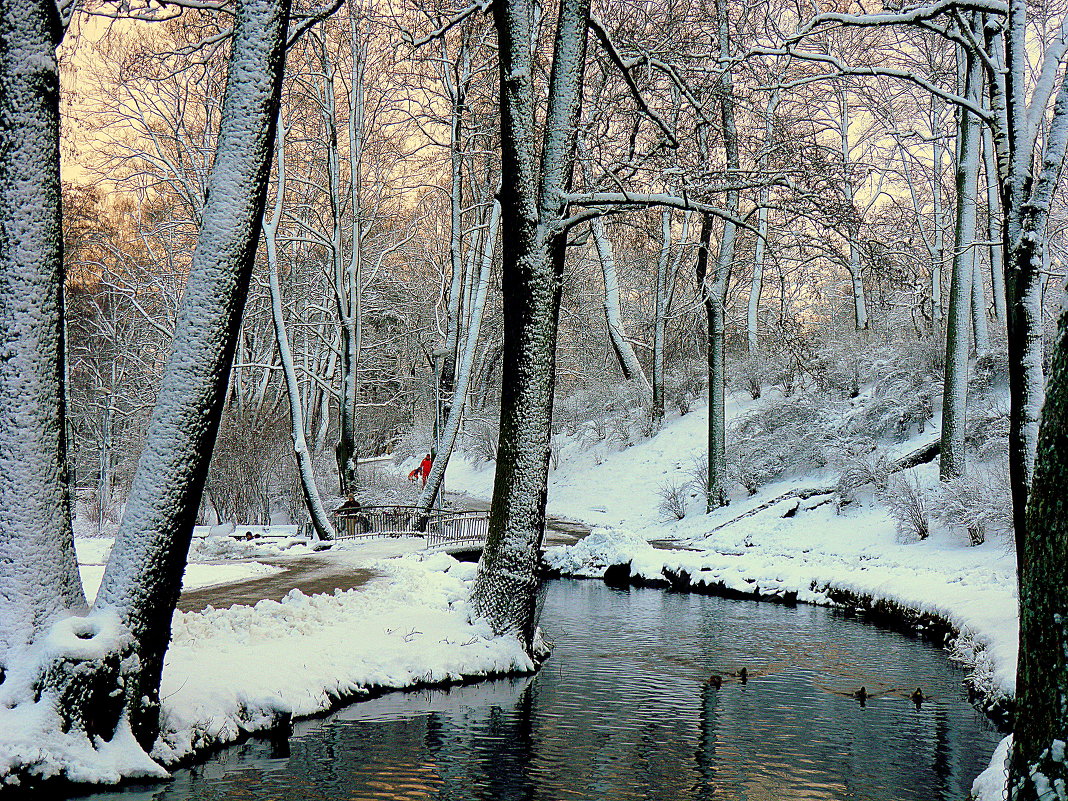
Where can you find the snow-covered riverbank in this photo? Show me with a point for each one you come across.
(810, 551)
(232, 672)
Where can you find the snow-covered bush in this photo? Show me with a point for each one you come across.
(779, 438)
(899, 403)
(749, 375)
(861, 467)
(990, 370)
(986, 431)
(980, 502)
(906, 499)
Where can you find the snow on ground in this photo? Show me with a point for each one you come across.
(93, 555)
(816, 550)
(232, 671)
(226, 667)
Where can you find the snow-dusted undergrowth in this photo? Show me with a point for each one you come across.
(231, 672)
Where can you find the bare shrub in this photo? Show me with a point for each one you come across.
(987, 429)
(750, 374)
(684, 383)
(699, 472)
(980, 502)
(480, 437)
(906, 499)
(673, 496)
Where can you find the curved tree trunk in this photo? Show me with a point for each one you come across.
(628, 360)
(320, 518)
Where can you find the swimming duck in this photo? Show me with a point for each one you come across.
(715, 681)
(918, 697)
(861, 695)
(743, 675)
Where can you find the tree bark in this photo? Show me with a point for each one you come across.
(958, 318)
(143, 578)
(1041, 719)
(41, 581)
(505, 591)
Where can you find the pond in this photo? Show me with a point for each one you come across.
(622, 711)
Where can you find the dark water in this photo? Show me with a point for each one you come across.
(620, 712)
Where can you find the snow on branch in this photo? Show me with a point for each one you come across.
(625, 70)
(910, 16)
(480, 6)
(841, 68)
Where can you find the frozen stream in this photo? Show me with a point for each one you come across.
(620, 712)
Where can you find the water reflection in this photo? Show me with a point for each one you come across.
(622, 711)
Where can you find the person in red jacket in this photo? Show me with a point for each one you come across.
(422, 470)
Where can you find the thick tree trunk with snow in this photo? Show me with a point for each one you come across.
(41, 579)
(532, 205)
(617, 335)
(1041, 720)
(958, 318)
(143, 577)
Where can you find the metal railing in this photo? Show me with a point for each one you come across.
(439, 529)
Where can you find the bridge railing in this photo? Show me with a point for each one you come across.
(439, 528)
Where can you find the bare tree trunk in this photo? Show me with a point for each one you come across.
(757, 283)
(41, 581)
(143, 577)
(505, 590)
(714, 291)
(994, 217)
(1041, 719)
(320, 518)
(958, 320)
(661, 302)
(463, 380)
(628, 360)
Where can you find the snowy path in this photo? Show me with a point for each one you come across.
(309, 574)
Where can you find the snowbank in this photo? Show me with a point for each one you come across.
(232, 672)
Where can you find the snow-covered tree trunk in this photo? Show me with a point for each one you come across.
(980, 329)
(617, 335)
(1038, 769)
(534, 245)
(143, 578)
(958, 318)
(938, 251)
(40, 572)
(320, 518)
(856, 280)
(458, 403)
(714, 286)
